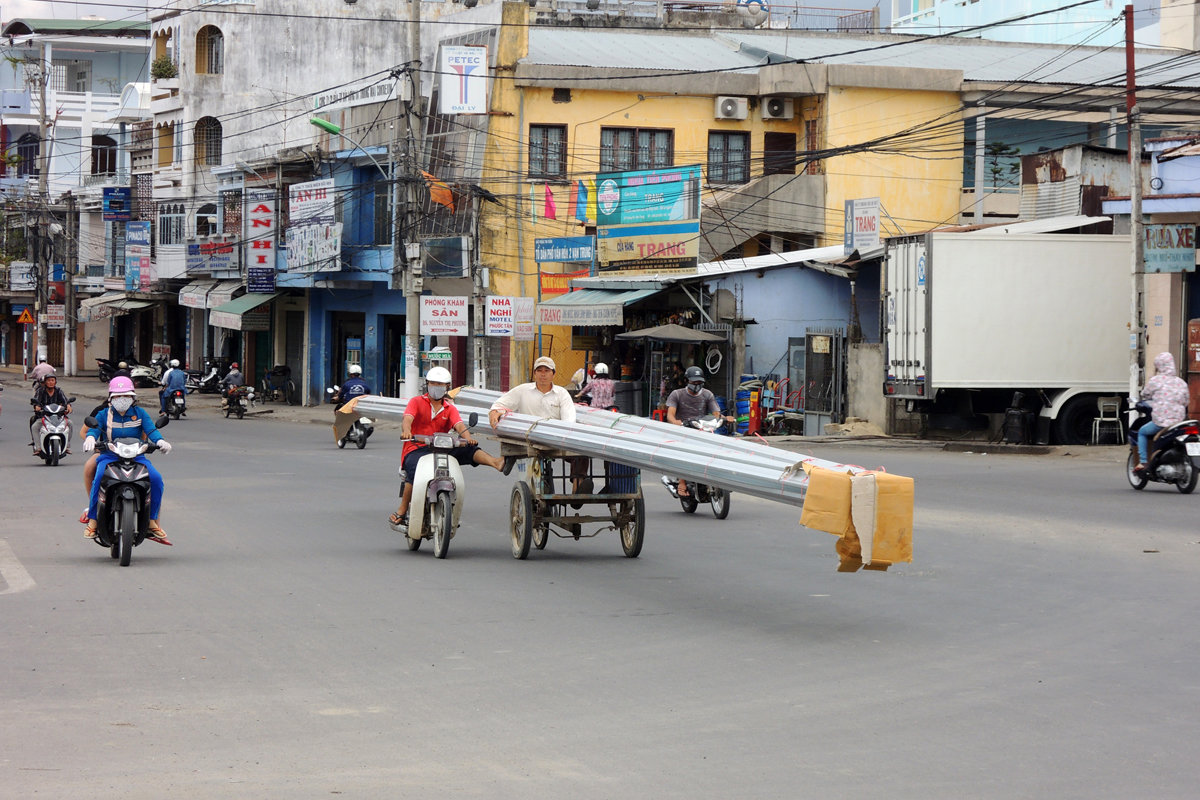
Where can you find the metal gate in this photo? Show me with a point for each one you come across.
(824, 379)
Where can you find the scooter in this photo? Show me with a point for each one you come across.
(698, 493)
(239, 401)
(438, 490)
(359, 432)
(176, 404)
(123, 515)
(106, 367)
(147, 375)
(51, 431)
(1174, 454)
(204, 382)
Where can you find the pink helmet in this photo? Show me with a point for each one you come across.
(120, 385)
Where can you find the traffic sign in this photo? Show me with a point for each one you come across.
(26, 318)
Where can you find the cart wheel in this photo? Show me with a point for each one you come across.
(541, 535)
(719, 500)
(521, 514)
(689, 504)
(633, 533)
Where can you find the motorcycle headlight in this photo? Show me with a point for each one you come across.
(126, 449)
(443, 441)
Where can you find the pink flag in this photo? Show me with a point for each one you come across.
(551, 210)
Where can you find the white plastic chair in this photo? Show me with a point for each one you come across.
(1110, 416)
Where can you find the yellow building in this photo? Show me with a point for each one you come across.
(782, 145)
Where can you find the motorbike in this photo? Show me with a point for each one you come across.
(51, 431)
(147, 375)
(715, 496)
(123, 515)
(204, 382)
(176, 403)
(438, 491)
(106, 367)
(239, 401)
(1174, 454)
(359, 432)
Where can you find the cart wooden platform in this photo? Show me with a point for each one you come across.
(548, 501)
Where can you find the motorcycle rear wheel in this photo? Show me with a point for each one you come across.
(1136, 480)
(241, 412)
(1188, 485)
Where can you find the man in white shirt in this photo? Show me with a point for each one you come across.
(544, 400)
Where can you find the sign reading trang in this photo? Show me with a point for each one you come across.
(1170, 248)
(862, 225)
(604, 314)
(654, 247)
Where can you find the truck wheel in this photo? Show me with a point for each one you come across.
(1074, 423)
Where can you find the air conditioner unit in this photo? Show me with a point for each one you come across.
(778, 108)
(731, 108)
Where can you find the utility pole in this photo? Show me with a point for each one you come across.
(42, 254)
(478, 324)
(1137, 339)
(406, 250)
(71, 267)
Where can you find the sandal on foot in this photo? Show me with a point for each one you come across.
(399, 522)
(156, 534)
(89, 532)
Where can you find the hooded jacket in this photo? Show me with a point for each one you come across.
(1166, 392)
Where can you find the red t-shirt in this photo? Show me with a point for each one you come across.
(424, 423)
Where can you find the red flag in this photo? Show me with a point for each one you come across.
(572, 199)
(551, 210)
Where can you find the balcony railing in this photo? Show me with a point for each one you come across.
(118, 178)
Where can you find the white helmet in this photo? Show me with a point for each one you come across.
(174, 363)
(355, 369)
(602, 368)
(438, 375)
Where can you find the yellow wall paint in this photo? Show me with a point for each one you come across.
(920, 183)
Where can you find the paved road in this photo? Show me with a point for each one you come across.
(1041, 645)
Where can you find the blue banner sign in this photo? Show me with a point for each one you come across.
(117, 200)
(565, 248)
(649, 195)
(260, 279)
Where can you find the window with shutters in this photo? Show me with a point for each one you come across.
(624, 149)
(728, 157)
(548, 151)
(210, 51)
(208, 142)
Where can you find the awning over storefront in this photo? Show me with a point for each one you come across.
(195, 294)
(246, 313)
(109, 304)
(223, 293)
(589, 307)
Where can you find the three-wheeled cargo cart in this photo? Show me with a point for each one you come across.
(558, 484)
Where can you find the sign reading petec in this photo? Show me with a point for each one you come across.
(463, 88)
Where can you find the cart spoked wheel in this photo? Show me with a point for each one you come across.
(541, 535)
(521, 514)
(633, 532)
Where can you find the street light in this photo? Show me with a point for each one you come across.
(412, 310)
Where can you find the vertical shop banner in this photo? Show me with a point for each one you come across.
(464, 83)
(501, 316)
(137, 256)
(444, 316)
(314, 238)
(523, 326)
(260, 240)
(56, 316)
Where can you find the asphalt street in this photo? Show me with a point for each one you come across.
(1042, 643)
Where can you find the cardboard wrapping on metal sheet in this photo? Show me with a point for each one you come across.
(344, 417)
(871, 513)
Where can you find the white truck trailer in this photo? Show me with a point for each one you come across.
(971, 318)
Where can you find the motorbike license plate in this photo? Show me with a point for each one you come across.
(1193, 448)
(178, 401)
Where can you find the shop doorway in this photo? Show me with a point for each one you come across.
(393, 355)
(825, 379)
(348, 328)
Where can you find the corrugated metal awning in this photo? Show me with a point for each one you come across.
(240, 314)
(599, 297)
(223, 293)
(195, 294)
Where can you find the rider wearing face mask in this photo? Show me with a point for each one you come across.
(124, 419)
(692, 403)
(426, 414)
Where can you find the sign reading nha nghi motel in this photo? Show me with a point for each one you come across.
(1169, 248)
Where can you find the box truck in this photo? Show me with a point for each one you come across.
(973, 318)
